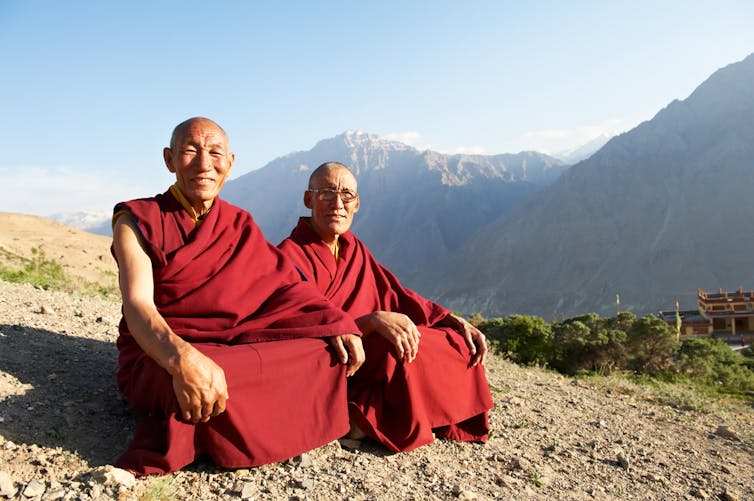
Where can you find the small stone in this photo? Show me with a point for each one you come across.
(7, 489)
(302, 460)
(725, 432)
(111, 476)
(248, 490)
(307, 483)
(729, 496)
(520, 464)
(701, 494)
(46, 310)
(467, 495)
(623, 460)
(34, 489)
(57, 494)
(652, 477)
(95, 491)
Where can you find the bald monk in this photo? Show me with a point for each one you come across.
(223, 349)
(423, 376)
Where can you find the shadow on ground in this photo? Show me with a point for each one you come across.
(70, 400)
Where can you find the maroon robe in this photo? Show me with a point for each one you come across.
(399, 404)
(238, 300)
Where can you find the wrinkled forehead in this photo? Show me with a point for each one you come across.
(203, 132)
(336, 177)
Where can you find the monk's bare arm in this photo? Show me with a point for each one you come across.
(475, 340)
(397, 328)
(198, 382)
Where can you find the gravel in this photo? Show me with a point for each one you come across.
(63, 422)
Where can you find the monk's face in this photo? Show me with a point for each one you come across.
(332, 218)
(200, 160)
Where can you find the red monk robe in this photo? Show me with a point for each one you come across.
(222, 287)
(400, 405)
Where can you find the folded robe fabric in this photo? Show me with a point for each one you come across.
(221, 286)
(401, 405)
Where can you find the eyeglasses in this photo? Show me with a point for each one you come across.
(329, 195)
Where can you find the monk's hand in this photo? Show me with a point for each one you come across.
(400, 330)
(349, 351)
(200, 387)
(475, 340)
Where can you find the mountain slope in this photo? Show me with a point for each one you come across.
(416, 206)
(656, 213)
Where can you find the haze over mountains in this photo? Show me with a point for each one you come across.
(656, 213)
(416, 206)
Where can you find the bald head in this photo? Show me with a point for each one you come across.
(324, 170)
(184, 126)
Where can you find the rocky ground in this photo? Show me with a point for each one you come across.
(62, 421)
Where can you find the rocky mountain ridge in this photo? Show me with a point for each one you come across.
(416, 206)
(655, 214)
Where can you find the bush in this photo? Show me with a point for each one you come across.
(38, 271)
(712, 363)
(652, 345)
(588, 343)
(525, 340)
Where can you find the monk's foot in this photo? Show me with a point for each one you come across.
(355, 433)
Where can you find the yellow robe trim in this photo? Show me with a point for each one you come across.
(182, 199)
(178, 194)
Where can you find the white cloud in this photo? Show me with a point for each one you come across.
(415, 139)
(470, 150)
(411, 138)
(556, 140)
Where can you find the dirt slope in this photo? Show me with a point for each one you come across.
(82, 254)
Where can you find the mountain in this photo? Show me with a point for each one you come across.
(655, 214)
(416, 206)
(584, 151)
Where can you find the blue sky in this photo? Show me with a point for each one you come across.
(92, 89)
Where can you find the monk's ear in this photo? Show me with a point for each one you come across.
(358, 204)
(308, 199)
(231, 161)
(167, 155)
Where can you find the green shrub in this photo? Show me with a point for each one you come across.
(38, 271)
(525, 340)
(588, 344)
(711, 362)
(652, 345)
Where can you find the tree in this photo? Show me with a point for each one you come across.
(712, 362)
(587, 343)
(525, 339)
(652, 345)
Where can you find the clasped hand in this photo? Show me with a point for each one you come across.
(350, 351)
(400, 330)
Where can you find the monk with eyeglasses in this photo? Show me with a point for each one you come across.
(224, 350)
(423, 376)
